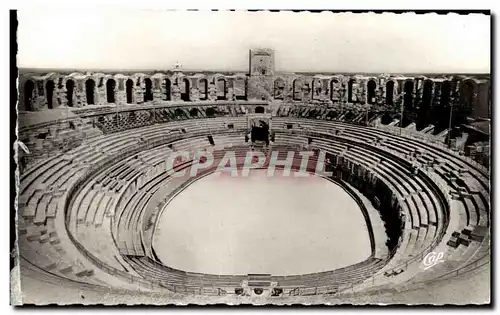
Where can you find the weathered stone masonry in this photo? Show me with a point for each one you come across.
(422, 96)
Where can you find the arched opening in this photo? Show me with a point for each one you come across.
(193, 112)
(240, 89)
(386, 119)
(168, 88)
(221, 89)
(350, 91)
(467, 94)
(89, 91)
(179, 113)
(408, 90)
(297, 90)
(334, 90)
(148, 94)
(203, 89)
(279, 88)
(101, 121)
(29, 88)
(129, 90)
(110, 90)
(259, 110)
(445, 93)
(70, 86)
(427, 94)
(372, 85)
(210, 112)
(389, 93)
(49, 86)
(313, 113)
(185, 90)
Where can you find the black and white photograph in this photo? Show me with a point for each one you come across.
(175, 157)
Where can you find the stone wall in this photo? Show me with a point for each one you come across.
(423, 96)
(53, 90)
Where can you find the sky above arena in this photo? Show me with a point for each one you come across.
(326, 42)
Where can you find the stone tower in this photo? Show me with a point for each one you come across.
(260, 83)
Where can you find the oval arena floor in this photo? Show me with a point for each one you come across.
(280, 225)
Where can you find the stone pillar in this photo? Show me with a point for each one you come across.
(78, 98)
(157, 90)
(344, 90)
(195, 95)
(176, 92)
(212, 92)
(138, 91)
(230, 89)
(120, 92)
(38, 96)
(100, 91)
(417, 92)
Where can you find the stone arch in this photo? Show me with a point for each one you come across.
(445, 93)
(386, 118)
(371, 91)
(179, 113)
(279, 88)
(193, 112)
(89, 91)
(70, 86)
(49, 87)
(168, 89)
(203, 89)
(110, 90)
(297, 86)
(29, 89)
(221, 89)
(210, 112)
(101, 120)
(408, 93)
(129, 91)
(259, 110)
(389, 92)
(148, 93)
(185, 91)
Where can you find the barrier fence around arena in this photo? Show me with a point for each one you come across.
(182, 288)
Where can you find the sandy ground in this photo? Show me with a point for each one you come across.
(260, 224)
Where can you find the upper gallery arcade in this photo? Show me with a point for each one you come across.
(80, 89)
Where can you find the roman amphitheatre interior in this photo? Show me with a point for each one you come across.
(399, 211)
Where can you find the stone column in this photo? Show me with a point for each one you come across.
(176, 92)
(100, 91)
(230, 89)
(121, 92)
(138, 91)
(157, 90)
(38, 96)
(212, 92)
